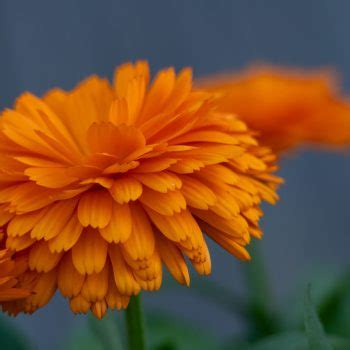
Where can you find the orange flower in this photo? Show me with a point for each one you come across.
(103, 185)
(9, 270)
(287, 107)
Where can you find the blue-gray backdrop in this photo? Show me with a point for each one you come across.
(57, 43)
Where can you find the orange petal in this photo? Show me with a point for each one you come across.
(180, 227)
(103, 181)
(120, 226)
(69, 280)
(135, 95)
(90, 252)
(123, 276)
(25, 132)
(248, 161)
(125, 190)
(197, 194)
(121, 168)
(235, 227)
(47, 120)
(155, 165)
(22, 224)
(159, 93)
(5, 216)
(119, 140)
(95, 209)
(181, 90)
(67, 238)
(99, 308)
(11, 294)
(203, 266)
(146, 270)
(118, 113)
(205, 136)
(186, 166)
(88, 103)
(173, 260)
(79, 304)
(218, 173)
(41, 258)
(54, 220)
(96, 285)
(161, 182)
(150, 285)
(113, 298)
(19, 243)
(44, 290)
(141, 242)
(29, 197)
(163, 203)
(50, 177)
(228, 243)
(126, 72)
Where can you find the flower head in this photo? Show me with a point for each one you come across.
(287, 107)
(102, 185)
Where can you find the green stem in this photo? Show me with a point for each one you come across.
(135, 324)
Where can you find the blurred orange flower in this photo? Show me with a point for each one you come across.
(102, 185)
(287, 107)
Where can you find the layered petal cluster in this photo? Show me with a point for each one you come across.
(288, 107)
(103, 185)
(9, 270)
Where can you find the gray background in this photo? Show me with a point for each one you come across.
(57, 43)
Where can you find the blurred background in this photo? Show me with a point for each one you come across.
(57, 43)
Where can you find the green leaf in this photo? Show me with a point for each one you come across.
(340, 343)
(11, 337)
(283, 341)
(331, 290)
(317, 339)
(290, 341)
(334, 308)
(340, 324)
(170, 333)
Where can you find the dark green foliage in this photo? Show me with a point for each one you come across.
(10, 337)
(169, 333)
(334, 308)
(316, 337)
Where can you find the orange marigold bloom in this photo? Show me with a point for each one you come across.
(288, 107)
(9, 270)
(102, 185)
